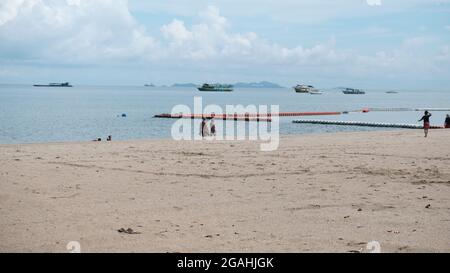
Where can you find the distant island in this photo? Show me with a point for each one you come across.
(263, 84)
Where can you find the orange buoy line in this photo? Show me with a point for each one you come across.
(247, 116)
(224, 117)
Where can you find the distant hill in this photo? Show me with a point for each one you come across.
(184, 85)
(262, 84)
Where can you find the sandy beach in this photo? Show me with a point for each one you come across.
(316, 193)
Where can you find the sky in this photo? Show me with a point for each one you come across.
(394, 44)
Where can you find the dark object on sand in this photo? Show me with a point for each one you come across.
(109, 138)
(128, 231)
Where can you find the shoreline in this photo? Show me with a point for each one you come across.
(319, 192)
(282, 136)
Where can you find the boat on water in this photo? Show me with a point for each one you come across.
(303, 88)
(353, 91)
(64, 84)
(216, 87)
(391, 92)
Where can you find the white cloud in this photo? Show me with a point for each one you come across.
(211, 39)
(72, 31)
(9, 10)
(176, 31)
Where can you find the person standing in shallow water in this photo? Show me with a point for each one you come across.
(202, 127)
(447, 121)
(426, 122)
(213, 127)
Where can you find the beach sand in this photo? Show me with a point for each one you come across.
(316, 193)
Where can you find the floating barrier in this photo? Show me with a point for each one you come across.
(403, 109)
(388, 109)
(246, 116)
(218, 117)
(432, 109)
(294, 114)
(368, 124)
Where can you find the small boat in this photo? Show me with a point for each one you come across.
(353, 91)
(216, 87)
(391, 92)
(64, 84)
(302, 88)
(149, 85)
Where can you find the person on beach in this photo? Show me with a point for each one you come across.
(202, 125)
(204, 130)
(447, 121)
(213, 127)
(426, 122)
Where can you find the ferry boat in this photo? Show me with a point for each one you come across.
(302, 88)
(64, 84)
(353, 91)
(216, 87)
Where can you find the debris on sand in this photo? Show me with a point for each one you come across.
(394, 231)
(128, 231)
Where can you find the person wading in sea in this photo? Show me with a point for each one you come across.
(426, 122)
(204, 129)
(447, 121)
(213, 127)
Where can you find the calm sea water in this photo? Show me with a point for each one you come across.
(31, 114)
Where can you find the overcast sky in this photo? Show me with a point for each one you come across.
(327, 43)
